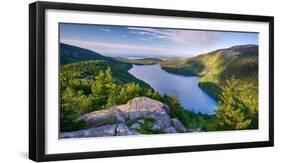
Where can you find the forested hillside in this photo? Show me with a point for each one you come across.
(69, 54)
(235, 67)
(144, 61)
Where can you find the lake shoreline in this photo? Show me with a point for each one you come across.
(207, 104)
(205, 88)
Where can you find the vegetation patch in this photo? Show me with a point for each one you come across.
(145, 61)
(146, 127)
(129, 123)
(211, 88)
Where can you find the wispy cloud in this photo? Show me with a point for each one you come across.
(122, 40)
(193, 37)
(189, 37)
(141, 32)
(108, 46)
(106, 30)
(151, 30)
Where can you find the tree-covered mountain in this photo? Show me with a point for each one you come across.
(217, 63)
(81, 64)
(230, 72)
(69, 54)
(218, 66)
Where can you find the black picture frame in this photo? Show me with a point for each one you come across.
(37, 79)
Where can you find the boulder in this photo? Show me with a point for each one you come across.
(144, 107)
(155, 127)
(101, 118)
(121, 129)
(135, 126)
(141, 121)
(178, 125)
(195, 130)
(108, 130)
(111, 122)
(170, 130)
(132, 132)
(139, 107)
(118, 117)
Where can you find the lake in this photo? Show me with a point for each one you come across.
(190, 95)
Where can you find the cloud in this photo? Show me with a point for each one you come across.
(188, 37)
(141, 33)
(93, 45)
(106, 30)
(192, 37)
(152, 31)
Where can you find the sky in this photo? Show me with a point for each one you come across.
(125, 41)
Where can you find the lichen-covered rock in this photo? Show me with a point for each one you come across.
(118, 117)
(133, 132)
(155, 127)
(111, 122)
(178, 125)
(141, 121)
(195, 130)
(101, 118)
(121, 129)
(170, 130)
(135, 126)
(143, 107)
(139, 107)
(107, 130)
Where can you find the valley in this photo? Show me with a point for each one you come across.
(90, 82)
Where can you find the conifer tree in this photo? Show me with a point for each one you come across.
(99, 96)
(69, 111)
(231, 113)
(104, 90)
(174, 104)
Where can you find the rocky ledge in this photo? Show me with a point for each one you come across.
(140, 115)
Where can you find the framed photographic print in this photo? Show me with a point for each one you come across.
(117, 81)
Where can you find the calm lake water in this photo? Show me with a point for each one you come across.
(190, 95)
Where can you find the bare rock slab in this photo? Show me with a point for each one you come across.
(178, 125)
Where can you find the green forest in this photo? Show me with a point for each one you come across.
(98, 83)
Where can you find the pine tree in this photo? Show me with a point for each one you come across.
(128, 92)
(174, 104)
(232, 114)
(71, 108)
(104, 90)
(99, 91)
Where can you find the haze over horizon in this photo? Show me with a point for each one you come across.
(123, 41)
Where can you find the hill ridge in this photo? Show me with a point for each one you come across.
(71, 53)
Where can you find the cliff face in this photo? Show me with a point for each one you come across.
(138, 116)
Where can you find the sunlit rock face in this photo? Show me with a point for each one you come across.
(112, 121)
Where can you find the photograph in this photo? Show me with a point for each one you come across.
(136, 81)
(112, 81)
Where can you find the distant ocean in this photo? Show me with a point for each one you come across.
(144, 56)
(135, 57)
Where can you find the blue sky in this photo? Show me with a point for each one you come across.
(154, 42)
